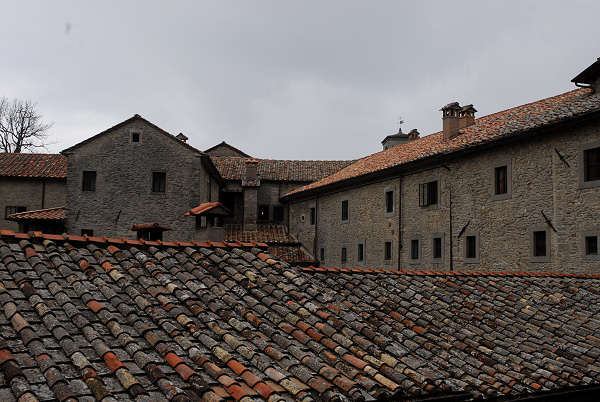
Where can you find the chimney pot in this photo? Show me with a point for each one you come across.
(466, 116)
(450, 116)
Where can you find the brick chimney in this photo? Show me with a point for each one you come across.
(450, 120)
(466, 116)
(250, 184)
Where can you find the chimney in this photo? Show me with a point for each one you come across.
(251, 174)
(413, 134)
(250, 184)
(181, 137)
(466, 116)
(450, 116)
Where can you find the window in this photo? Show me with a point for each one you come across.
(278, 213)
(322, 254)
(263, 213)
(539, 243)
(135, 137)
(345, 210)
(501, 179)
(151, 235)
(159, 182)
(436, 248)
(360, 253)
(471, 247)
(591, 245)
(414, 249)
(201, 222)
(344, 256)
(88, 232)
(89, 180)
(388, 250)
(13, 210)
(313, 216)
(428, 193)
(389, 202)
(591, 164)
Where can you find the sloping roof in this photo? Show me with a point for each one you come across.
(51, 166)
(589, 75)
(95, 317)
(515, 121)
(234, 168)
(223, 144)
(209, 207)
(52, 214)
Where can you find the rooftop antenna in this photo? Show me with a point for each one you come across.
(400, 123)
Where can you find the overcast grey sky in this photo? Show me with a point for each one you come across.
(282, 79)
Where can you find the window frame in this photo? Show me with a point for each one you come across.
(322, 254)
(412, 239)
(343, 255)
(313, 216)
(83, 181)
(424, 194)
(387, 259)
(583, 183)
(346, 204)
(532, 231)
(132, 133)
(477, 258)
(360, 252)
(387, 212)
(438, 260)
(503, 196)
(584, 236)
(164, 174)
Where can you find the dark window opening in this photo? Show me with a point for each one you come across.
(89, 180)
(389, 201)
(159, 182)
(135, 137)
(501, 179)
(344, 256)
(322, 254)
(13, 210)
(313, 216)
(228, 200)
(428, 193)
(591, 245)
(437, 247)
(263, 213)
(361, 252)
(200, 222)
(591, 162)
(388, 250)
(471, 251)
(278, 213)
(345, 210)
(414, 249)
(539, 244)
(88, 232)
(151, 235)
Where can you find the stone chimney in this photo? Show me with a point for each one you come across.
(251, 174)
(413, 134)
(466, 116)
(250, 184)
(181, 137)
(450, 120)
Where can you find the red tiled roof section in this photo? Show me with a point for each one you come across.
(51, 214)
(488, 128)
(264, 233)
(233, 168)
(51, 166)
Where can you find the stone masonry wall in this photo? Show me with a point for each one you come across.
(540, 181)
(123, 195)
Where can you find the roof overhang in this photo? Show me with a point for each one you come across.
(209, 208)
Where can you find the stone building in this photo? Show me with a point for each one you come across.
(30, 182)
(514, 190)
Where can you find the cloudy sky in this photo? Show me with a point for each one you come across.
(287, 79)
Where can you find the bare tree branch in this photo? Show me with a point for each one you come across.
(21, 126)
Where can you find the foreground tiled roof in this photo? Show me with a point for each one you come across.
(234, 168)
(103, 318)
(51, 166)
(515, 121)
(53, 214)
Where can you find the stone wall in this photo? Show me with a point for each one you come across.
(123, 195)
(29, 193)
(539, 182)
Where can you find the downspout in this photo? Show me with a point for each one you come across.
(400, 223)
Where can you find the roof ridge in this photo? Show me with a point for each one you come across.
(540, 274)
(285, 160)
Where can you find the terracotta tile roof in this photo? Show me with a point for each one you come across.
(154, 225)
(51, 166)
(209, 207)
(294, 254)
(55, 214)
(515, 121)
(234, 168)
(88, 317)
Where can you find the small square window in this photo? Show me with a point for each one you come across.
(345, 210)
(135, 137)
(591, 245)
(159, 182)
(322, 254)
(471, 247)
(414, 249)
(89, 180)
(344, 255)
(591, 164)
(539, 243)
(313, 216)
(88, 232)
(388, 250)
(278, 213)
(389, 202)
(263, 213)
(360, 254)
(437, 248)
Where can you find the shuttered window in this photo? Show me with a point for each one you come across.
(428, 193)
